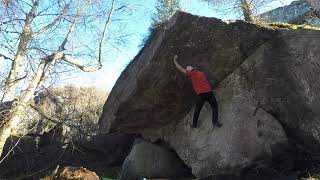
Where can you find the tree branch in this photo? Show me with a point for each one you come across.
(46, 72)
(57, 121)
(11, 149)
(11, 20)
(84, 68)
(104, 33)
(55, 20)
(6, 57)
(10, 85)
(71, 30)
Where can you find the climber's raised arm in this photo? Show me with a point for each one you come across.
(180, 68)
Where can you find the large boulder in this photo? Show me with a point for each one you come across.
(152, 161)
(278, 84)
(150, 92)
(314, 4)
(285, 83)
(298, 12)
(114, 147)
(249, 133)
(266, 83)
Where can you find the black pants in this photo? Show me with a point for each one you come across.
(201, 99)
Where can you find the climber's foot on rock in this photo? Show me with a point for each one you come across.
(193, 126)
(217, 124)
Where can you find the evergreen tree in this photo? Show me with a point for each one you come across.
(248, 8)
(164, 10)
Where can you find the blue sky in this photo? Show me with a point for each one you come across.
(137, 26)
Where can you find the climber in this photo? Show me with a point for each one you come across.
(203, 90)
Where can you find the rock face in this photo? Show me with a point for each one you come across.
(286, 84)
(151, 90)
(113, 147)
(149, 160)
(301, 12)
(315, 5)
(266, 84)
(248, 134)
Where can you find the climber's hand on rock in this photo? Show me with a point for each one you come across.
(175, 57)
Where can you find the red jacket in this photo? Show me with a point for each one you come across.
(199, 81)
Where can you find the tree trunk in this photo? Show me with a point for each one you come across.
(16, 66)
(12, 121)
(20, 107)
(247, 11)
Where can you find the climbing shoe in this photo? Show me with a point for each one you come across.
(218, 124)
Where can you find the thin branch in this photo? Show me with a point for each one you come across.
(11, 149)
(54, 21)
(11, 20)
(104, 32)
(45, 73)
(71, 30)
(50, 165)
(84, 68)
(57, 121)
(16, 144)
(47, 8)
(122, 7)
(34, 82)
(11, 32)
(77, 64)
(6, 57)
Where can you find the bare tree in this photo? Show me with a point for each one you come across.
(78, 109)
(40, 38)
(248, 8)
